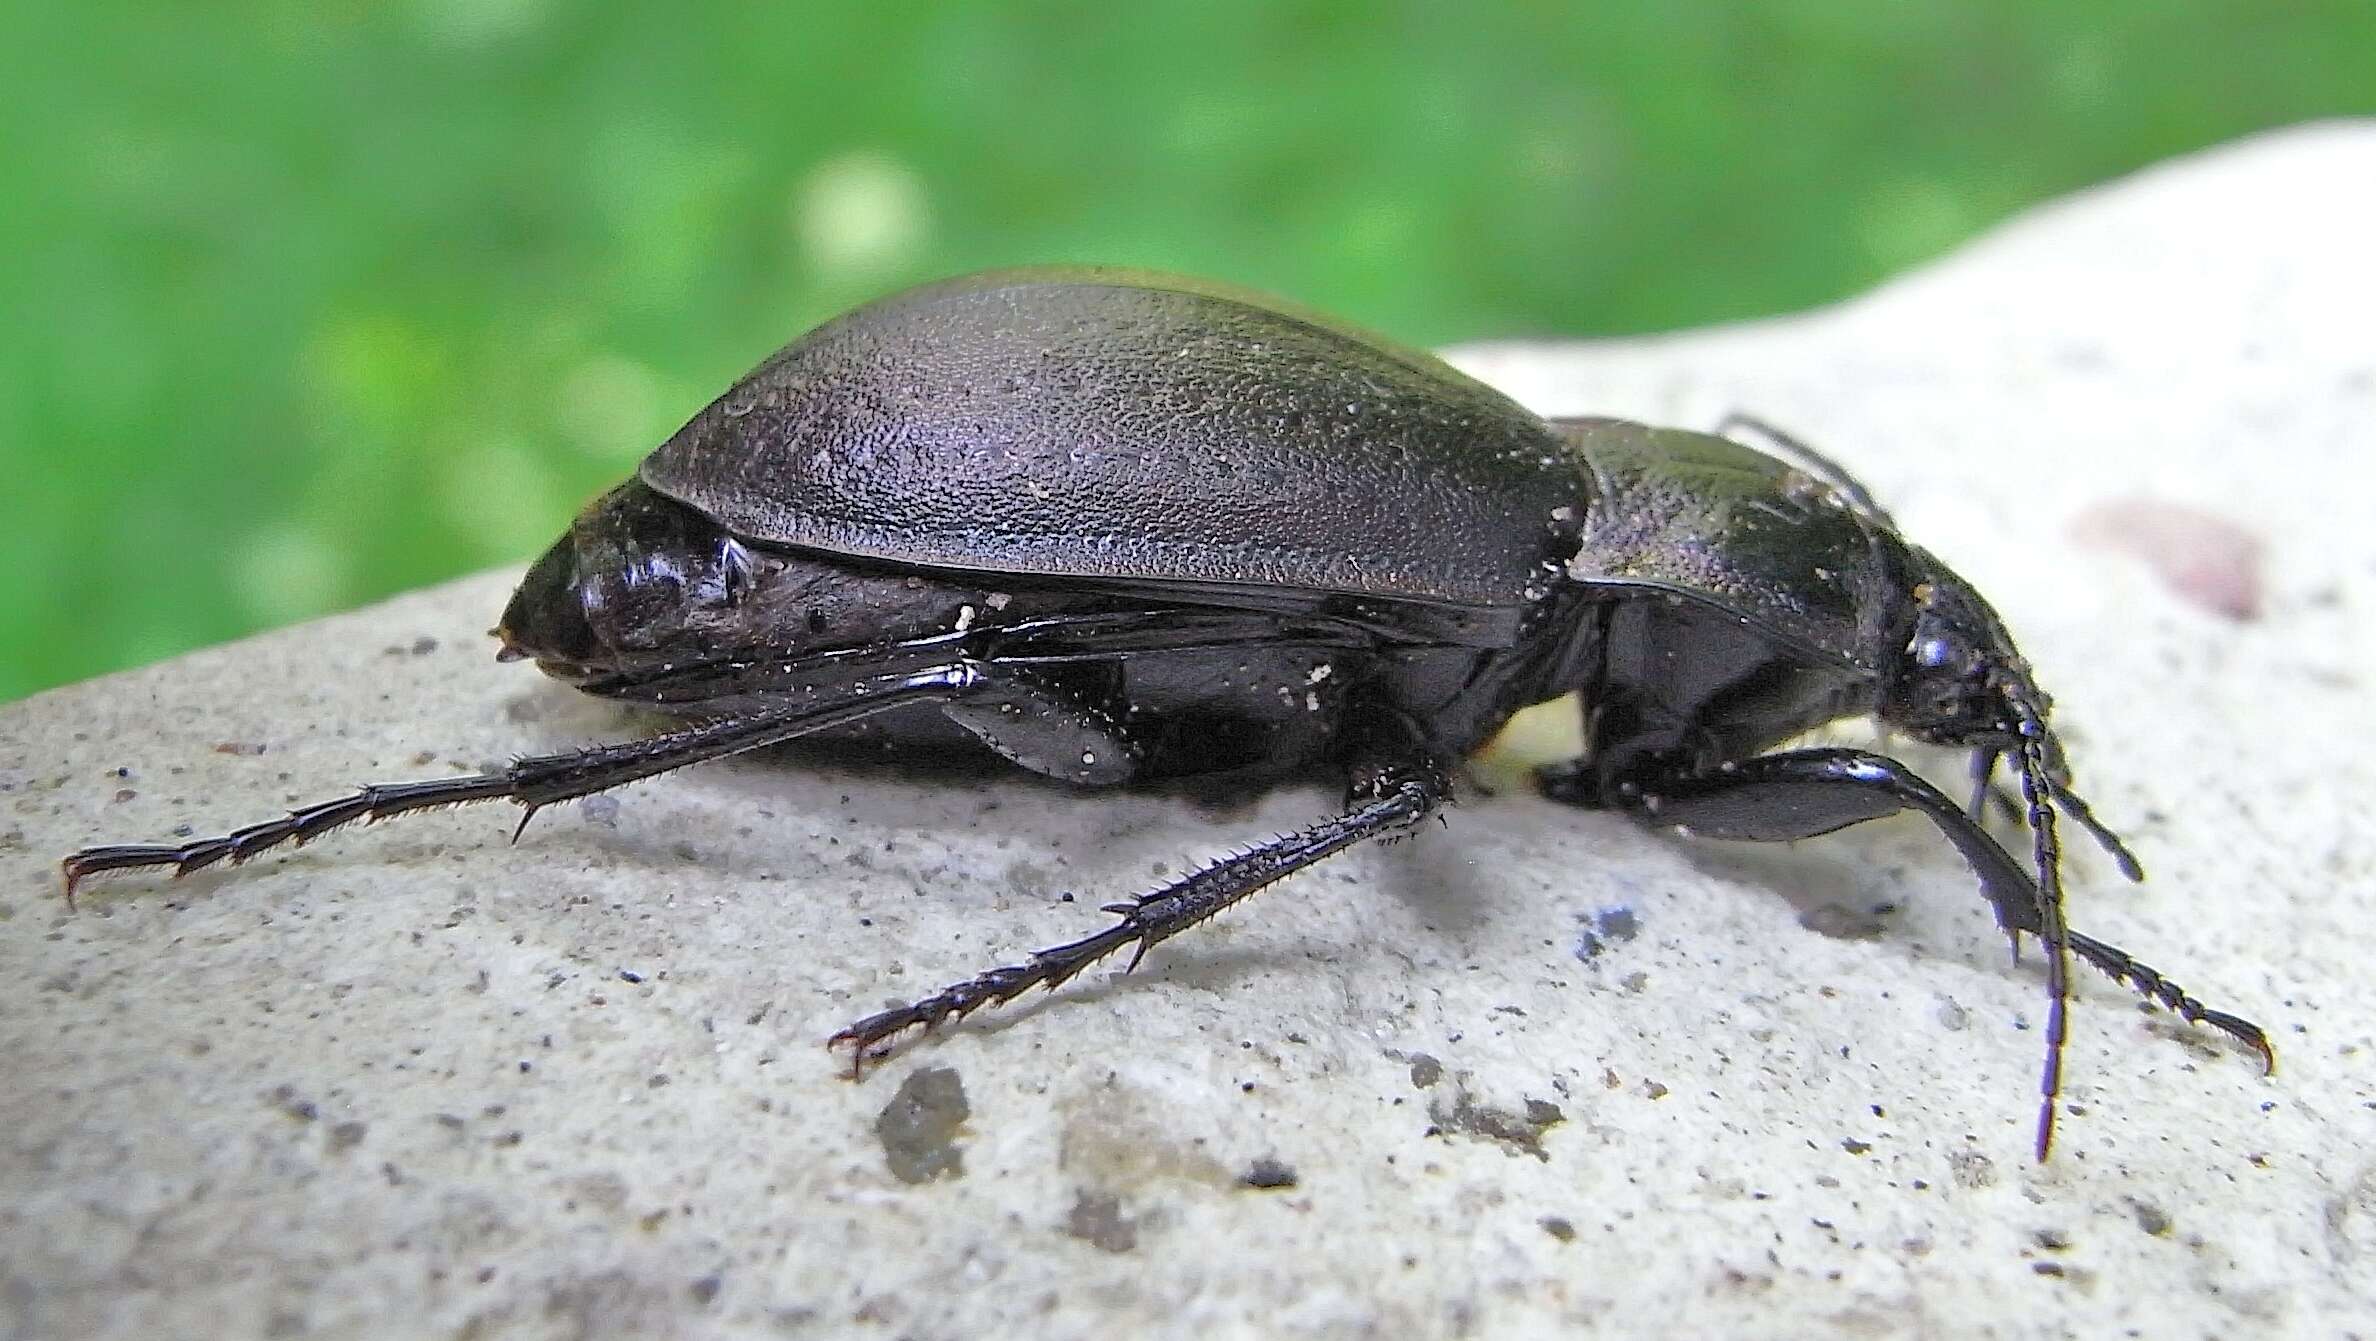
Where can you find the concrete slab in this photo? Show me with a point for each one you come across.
(1537, 1069)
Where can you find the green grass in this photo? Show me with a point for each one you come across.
(309, 301)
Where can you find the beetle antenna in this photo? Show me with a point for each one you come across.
(1831, 474)
(2039, 793)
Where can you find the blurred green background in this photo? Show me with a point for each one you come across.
(309, 301)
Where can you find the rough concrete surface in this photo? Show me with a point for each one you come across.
(1536, 1068)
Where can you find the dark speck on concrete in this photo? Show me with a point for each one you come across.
(1268, 1172)
(347, 1135)
(1425, 1070)
(1559, 1227)
(1613, 925)
(2150, 1218)
(1097, 1218)
(1841, 922)
(1519, 1133)
(918, 1128)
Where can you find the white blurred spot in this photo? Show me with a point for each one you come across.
(608, 406)
(863, 211)
(286, 571)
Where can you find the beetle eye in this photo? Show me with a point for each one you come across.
(1933, 652)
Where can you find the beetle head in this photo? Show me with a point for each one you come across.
(1957, 680)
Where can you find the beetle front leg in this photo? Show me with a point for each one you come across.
(1781, 798)
(1806, 793)
(1388, 794)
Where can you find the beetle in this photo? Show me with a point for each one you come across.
(1121, 527)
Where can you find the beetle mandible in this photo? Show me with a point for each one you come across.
(1119, 526)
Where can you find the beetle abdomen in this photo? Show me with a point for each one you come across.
(1114, 424)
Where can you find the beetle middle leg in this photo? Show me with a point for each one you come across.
(1779, 798)
(1989, 794)
(1390, 791)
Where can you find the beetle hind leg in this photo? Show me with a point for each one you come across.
(850, 693)
(1388, 796)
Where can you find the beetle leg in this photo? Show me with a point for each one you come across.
(1804, 793)
(1987, 792)
(545, 779)
(1040, 727)
(1389, 794)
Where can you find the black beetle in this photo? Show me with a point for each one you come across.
(1122, 527)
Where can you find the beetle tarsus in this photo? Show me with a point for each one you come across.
(2118, 965)
(1389, 799)
(298, 827)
